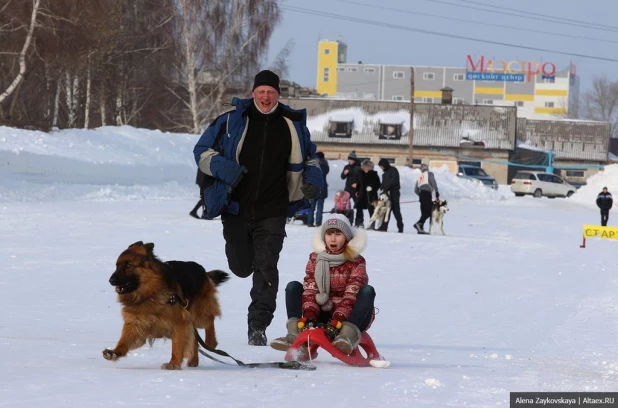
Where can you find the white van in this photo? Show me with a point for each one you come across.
(540, 184)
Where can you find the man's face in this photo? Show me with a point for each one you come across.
(351, 161)
(605, 190)
(265, 97)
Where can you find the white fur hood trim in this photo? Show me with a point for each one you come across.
(357, 243)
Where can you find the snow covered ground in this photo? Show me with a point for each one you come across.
(507, 301)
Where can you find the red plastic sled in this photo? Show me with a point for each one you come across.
(317, 338)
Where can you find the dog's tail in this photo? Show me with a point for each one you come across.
(218, 277)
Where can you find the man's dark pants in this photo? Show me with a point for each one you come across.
(604, 217)
(360, 216)
(426, 204)
(394, 197)
(254, 247)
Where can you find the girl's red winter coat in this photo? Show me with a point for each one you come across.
(345, 281)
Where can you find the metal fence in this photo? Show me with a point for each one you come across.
(465, 125)
(567, 139)
(387, 123)
(352, 122)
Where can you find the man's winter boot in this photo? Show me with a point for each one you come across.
(284, 343)
(348, 338)
(257, 337)
(194, 214)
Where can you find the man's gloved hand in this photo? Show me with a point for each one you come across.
(437, 196)
(332, 329)
(238, 179)
(305, 324)
(309, 191)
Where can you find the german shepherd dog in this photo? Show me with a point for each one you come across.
(381, 212)
(164, 300)
(438, 209)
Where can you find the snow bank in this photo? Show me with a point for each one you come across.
(125, 145)
(108, 163)
(451, 187)
(125, 163)
(587, 195)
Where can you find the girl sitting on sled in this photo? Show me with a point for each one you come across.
(335, 293)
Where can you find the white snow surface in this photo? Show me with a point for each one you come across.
(507, 301)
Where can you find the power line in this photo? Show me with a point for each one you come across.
(541, 15)
(551, 19)
(440, 34)
(477, 22)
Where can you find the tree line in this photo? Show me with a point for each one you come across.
(155, 64)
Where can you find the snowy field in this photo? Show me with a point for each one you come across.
(507, 301)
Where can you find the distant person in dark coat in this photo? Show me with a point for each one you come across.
(605, 203)
(372, 184)
(317, 204)
(353, 184)
(199, 180)
(392, 187)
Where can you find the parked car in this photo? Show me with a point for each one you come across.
(470, 172)
(540, 184)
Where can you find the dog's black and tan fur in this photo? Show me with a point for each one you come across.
(164, 300)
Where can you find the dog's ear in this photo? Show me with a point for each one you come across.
(138, 243)
(149, 246)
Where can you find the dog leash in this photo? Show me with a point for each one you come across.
(288, 365)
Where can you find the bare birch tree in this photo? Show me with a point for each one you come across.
(221, 44)
(24, 51)
(280, 64)
(601, 102)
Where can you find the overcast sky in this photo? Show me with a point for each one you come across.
(371, 43)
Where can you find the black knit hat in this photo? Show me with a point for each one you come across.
(266, 77)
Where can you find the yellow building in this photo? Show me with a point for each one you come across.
(330, 55)
(538, 89)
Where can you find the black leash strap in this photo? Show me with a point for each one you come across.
(288, 365)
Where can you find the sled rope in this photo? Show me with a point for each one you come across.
(288, 365)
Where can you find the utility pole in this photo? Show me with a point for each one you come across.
(411, 132)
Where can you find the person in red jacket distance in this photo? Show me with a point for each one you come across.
(335, 293)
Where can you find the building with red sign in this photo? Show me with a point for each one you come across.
(539, 89)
